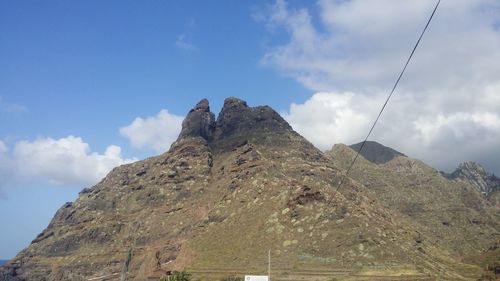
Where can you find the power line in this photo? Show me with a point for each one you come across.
(390, 95)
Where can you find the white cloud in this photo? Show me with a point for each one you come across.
(8, 107)
(447, 106)
(156, 132)
(3, 148)
(463, 127)
(65, 161)
(363, 43)
(5, 167)
(183, 44)
(330, 117)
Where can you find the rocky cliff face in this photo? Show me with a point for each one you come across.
(476, 175)
(228, 190)
(199, 122)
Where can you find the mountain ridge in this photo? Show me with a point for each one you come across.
(446, 209)
(376, 152)
(477, 175)
(227, 191)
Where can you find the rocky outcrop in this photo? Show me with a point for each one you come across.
(238, 119)
(376, 152)
(199, 122)
(476, 175)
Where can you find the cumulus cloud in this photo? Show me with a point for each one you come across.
(155, 132)
(65, 161)
(363, 43)
(447, 107)
(330, 117)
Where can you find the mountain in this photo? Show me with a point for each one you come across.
(376, 152)
(450, 212)
(234, 187)
(475, 174)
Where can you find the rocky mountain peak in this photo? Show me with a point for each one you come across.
(472, 167)
(376, 152)
(236, 119)
(199, 122)
(238, 124)
(202, 105)
(475, 174)
(234, 103)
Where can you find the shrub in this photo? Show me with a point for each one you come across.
(177, 276)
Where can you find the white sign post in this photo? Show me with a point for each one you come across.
(256, 278)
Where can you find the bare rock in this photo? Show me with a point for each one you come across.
(199, 122)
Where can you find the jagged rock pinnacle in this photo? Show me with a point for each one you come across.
(202, 105)
(239, 122)
(233, 102)
(475, 174)
(199, 122)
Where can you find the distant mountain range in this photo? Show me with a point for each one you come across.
(471, 172)
(235, 188)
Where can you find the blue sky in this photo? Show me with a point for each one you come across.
(87, 68)
(74, 65)
(87, 85)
